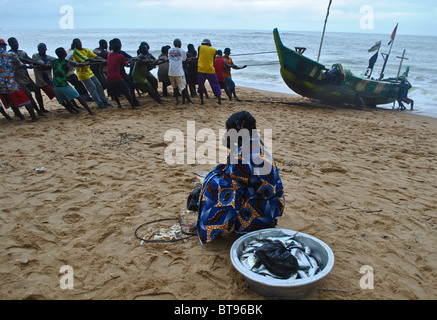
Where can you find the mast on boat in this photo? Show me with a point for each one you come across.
(324, 28)
(386, 56)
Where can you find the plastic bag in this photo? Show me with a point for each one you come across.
(277, 259)
(193, 199)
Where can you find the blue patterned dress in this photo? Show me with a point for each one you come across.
(244, 195)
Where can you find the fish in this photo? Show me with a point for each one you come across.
(252, 246)
(306, 250)
(313, 262)
(302, 274)
(286, 240)
(249, 260)
(312, 271)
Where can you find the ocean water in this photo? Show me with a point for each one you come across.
(256, 49)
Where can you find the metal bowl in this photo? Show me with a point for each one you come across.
(283, 288)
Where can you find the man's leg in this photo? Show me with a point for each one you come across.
(3, 110)
(85, 105)
(67, 105)
(186, 96)
(215, 86)
(29, 108)
(80, 88)
(100, 90)
(131, 88)
(8, 102)
(174, 84)
(91, 87)
(39, 99)
(201, 78)
(27, 89)
(130, 98)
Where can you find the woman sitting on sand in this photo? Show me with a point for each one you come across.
(246, 193)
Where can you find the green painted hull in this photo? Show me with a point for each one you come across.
(305, 77)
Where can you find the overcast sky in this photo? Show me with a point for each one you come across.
(418, 17)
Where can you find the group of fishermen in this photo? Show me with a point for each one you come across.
(81, 75)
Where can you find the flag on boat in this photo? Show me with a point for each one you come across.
(393, 34)
(376, 47)
(372, 61)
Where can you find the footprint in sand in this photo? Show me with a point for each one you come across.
(72, 218)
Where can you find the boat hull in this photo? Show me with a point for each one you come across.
(308, 78)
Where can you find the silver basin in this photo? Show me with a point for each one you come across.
(283, 288)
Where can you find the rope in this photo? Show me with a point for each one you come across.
(266, 101)
(303, 104)
(249, 54)
(161, 241)
(258, 64)
(263, 64)
(253, 53)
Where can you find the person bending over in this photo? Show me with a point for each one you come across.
(65, 94)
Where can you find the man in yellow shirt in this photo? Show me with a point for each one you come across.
(206, 70)
(86, 76)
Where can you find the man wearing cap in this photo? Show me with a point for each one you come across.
(206, 70)
(10, 93)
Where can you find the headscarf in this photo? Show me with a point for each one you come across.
(239, 121)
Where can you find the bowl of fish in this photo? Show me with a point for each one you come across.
(295, 262)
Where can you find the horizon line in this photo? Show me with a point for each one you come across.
(211, 29)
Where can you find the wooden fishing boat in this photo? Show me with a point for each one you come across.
(334, 86)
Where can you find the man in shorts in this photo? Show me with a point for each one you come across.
(10, 92)
(115, 81)
(65, 94)
(24, 80)
(176, 57)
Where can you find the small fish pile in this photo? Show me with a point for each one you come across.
(307, 263)
(168, 234)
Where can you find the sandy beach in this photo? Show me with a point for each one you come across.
(362, 181)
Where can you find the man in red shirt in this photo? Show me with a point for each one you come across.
(116, 84)
(219, 65)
